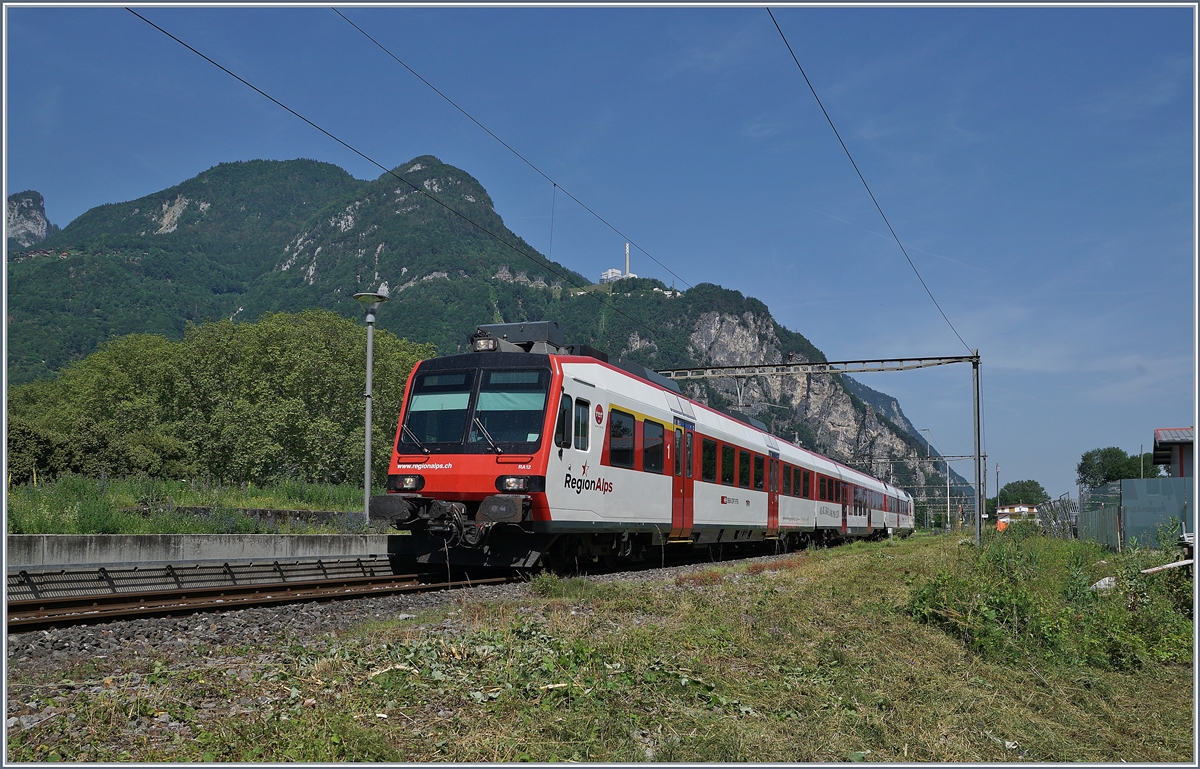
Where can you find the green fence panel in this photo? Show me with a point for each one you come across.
(1099, 509)
(1151, 502)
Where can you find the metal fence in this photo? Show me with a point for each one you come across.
(1130, 512)
(1059, 517)
(1150, 502)
(1099, 514)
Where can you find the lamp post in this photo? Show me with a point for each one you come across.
(370, 302)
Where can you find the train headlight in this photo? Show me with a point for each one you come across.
(485, 344)
(512, 483)
(410, 482)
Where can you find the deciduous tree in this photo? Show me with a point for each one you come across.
(1100, 466)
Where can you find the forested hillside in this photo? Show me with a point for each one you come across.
(249, 238)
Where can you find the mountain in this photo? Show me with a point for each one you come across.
(441, 269)
(154, 264)
(889, 408)
(243, 239)
(27, 222)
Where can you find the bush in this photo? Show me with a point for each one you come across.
(281, 398)
(1029, 595)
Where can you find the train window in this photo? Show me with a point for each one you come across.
(787, 480)
(744, 469)
(562, 432)
(511, 407)
(678, 451)
(727, 469)
(620, 435)
(758, 472)
(583, 416)
(687, 467)
(822, 487)
(437, 410)
(807, 476)
(708, 461)
(652, 447)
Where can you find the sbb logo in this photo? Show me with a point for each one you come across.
(599, 414)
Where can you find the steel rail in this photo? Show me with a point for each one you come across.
(35, 614)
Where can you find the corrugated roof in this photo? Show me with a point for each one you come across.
(1174, 435)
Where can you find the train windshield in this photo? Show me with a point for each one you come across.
(437, 411)
(511, 407)
(484, 409)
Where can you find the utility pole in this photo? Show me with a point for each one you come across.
(978, 458)
(928, 509)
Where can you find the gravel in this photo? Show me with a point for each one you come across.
(42, 652)
(50, 655)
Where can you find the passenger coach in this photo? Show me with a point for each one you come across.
(528, 449)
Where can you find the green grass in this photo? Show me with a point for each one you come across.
(815, 657)
(75, 504)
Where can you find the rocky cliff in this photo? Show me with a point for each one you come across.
(27, 222)
(828, 413)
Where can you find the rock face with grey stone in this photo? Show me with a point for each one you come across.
(819, 406)
(27, 222)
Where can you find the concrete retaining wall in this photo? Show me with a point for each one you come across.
(66, 551)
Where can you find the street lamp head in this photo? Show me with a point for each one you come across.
(373, 299)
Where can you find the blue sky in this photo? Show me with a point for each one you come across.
(1037, 163)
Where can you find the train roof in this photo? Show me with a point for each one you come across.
(732, 423)
(517, 345)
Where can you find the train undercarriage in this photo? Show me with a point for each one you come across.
(497, 534)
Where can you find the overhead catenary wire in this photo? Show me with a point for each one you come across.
(612, 306)
(527, 162)
(864, 182)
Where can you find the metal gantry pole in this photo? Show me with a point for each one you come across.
(978, 458)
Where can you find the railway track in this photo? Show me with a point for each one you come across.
(44, 612)
(92, 594)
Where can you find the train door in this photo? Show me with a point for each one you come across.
(683, 464)
(579, 444)
(773, 497)
(839, 489)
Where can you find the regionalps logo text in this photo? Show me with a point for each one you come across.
(587, 484)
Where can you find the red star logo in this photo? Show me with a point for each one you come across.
(584, 468)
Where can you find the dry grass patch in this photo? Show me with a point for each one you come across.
(794, 562)
(699, 579)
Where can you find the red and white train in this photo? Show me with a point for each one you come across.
(526, 449)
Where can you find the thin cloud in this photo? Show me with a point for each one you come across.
(887, 236)
(1148, 91)
(761, 129)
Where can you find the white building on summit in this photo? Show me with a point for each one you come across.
(613, 275)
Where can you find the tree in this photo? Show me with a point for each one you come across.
(1100, 466)
(1023, 492)
(278, 398)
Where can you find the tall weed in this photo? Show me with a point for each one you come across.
(1024, 595)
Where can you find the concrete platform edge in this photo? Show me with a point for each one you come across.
(69, 551)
